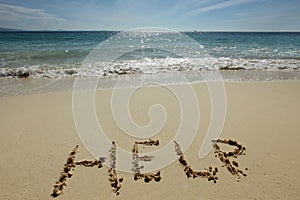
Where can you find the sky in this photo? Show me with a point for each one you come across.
(180, 15)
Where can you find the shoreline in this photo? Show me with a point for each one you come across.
(23, 86)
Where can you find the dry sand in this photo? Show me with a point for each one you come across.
(38, 132)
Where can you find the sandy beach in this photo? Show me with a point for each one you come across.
(38, 132)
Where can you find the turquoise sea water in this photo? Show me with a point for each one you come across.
(60, 54)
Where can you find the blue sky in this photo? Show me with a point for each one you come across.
(181, 15)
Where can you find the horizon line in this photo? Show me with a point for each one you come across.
(98, 30)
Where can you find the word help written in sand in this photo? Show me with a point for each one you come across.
(209, 173)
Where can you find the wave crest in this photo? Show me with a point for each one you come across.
(150, 66)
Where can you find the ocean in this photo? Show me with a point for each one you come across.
(61, 54)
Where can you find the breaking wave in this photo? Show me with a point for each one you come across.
(149, 66)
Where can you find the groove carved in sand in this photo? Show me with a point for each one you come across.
(227, 159)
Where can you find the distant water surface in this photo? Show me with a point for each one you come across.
(60, 54)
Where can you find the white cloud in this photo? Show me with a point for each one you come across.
(35, 18)
(188, 4)
(268, 17)
(216, 6)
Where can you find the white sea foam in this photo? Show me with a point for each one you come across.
(151, 66)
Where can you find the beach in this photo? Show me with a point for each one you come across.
(146, 100)
(38, 132)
